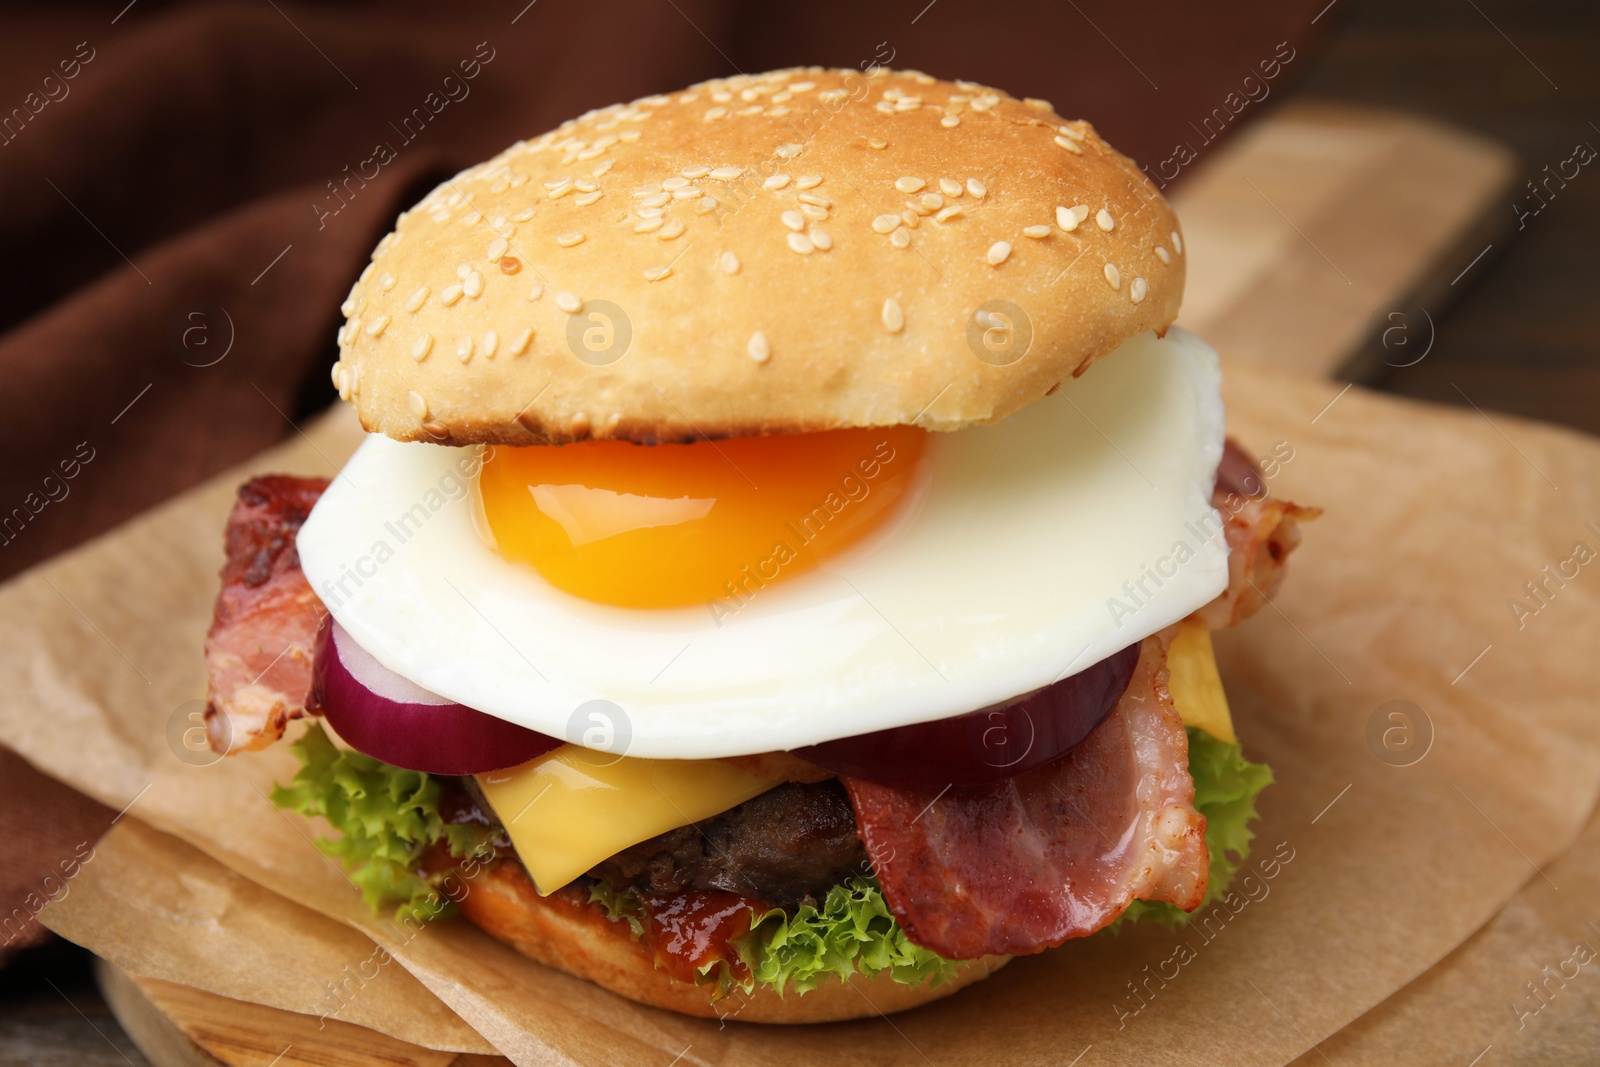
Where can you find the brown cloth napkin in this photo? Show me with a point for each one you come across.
(187, 191)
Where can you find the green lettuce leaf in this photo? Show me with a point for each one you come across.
(386, 817)
(1225, 789)
(852, 932)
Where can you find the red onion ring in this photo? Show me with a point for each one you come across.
(989, 744)
(392, 719)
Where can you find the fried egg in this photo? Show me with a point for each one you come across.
(758, 594)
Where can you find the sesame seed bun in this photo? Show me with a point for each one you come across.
(503, 902)
(794, 251)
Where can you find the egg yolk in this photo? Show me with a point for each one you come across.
(654, 526)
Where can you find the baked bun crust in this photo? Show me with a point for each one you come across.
(585, 944)
(794, 251)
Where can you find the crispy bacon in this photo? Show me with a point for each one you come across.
(1261, 531)
(1058, 852)
(258, 651)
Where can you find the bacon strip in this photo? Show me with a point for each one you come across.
(1058, 852)
(1261, 531)
(258, 651)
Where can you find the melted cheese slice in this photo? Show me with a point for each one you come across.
(1196, 685)
(573, 807)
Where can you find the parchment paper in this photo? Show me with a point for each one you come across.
(1435, 518)
(157, 907)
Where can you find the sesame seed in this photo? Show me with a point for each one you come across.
(1177, 243)
(567, 240)
(820, 238)
(998, 252)
(812, 211)
(808, 181)
(1069, 144)
(417, 299)
(376, 327)
(655, 274)
(726, 174)
(900, 238)
(932, 201)
(491, 341)
(646, 190)
(690, 193)
(1103, 219)
(561, 190)
(787, 151)
(423, 345)
(759, 349)
(1037, 104)
(419, 406)
(650, 213)
(886, 223)
(949, 187)
(350, 307)
(582, 186)
(656, 200)
(385, 281)
(602, 168)
(894, 320)
(473, 286)
(716, 113)
(1137, 290)
(777, 181)
(802, 87)
(462, 270)
(1076, 135)
(537, 291)
(450, 296)
(674, 183)
(523, 216)
(520, 344)
(472, 218)
(946, 214)
(1066, 218)
(706, 206)
(497, 248)
(814, 199)
(908, 184)
(877, 142)
(977, 188)
(799, 242)
(1163, 255)
(728, 262)
(510, 265)
(670, 230)
(910, 218)
(587, 198)
(950, 121)
(464, 349)
(1036, 232)
(1114, 276)
(568, 302)
(794, 220)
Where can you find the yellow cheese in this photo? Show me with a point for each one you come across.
(573, 807)
(1195, 684)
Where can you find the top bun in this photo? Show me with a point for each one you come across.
(779, 253)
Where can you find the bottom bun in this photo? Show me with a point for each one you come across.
(580, 940)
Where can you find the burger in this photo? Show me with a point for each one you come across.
(777, 582)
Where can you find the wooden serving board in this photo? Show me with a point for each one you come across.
(1301, 232)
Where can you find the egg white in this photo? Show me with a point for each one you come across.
(1037, 547)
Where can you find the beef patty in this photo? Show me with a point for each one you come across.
(785, 847)
(788, 846)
